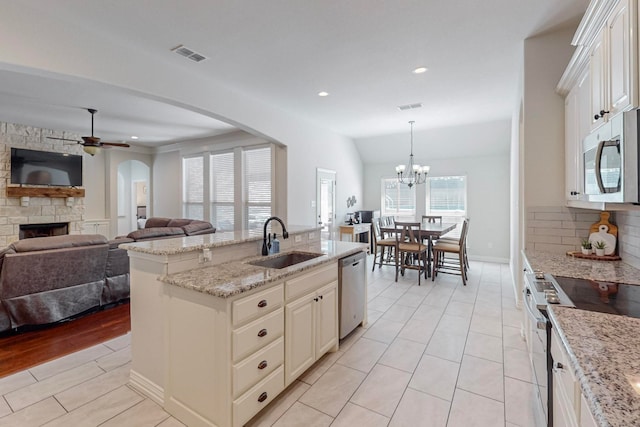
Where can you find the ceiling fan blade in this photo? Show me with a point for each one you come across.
(65, 139)
(115, 144)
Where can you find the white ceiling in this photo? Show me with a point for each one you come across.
(283, 52)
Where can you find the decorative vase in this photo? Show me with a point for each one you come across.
(586, 251)
(599, 252)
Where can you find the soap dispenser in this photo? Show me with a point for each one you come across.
(275, 244)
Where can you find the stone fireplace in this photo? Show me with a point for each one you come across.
(28, 231)
(16, 212)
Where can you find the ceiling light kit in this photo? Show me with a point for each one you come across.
(420, 70)
(323, 93)
(416, 174)
(92, 144)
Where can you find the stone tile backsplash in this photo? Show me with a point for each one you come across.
(628, 223)
(557, 228)
(39, 209)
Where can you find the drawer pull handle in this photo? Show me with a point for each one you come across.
(262, 303)
(262, 333)
(262, 364)
(316, 299)
(262, 397)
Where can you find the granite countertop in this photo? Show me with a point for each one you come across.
(185, 244)
(235, 277)
(603, 351)
(564, 265)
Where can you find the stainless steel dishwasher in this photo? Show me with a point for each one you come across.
(352, 279)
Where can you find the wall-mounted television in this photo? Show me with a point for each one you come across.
(45, 168)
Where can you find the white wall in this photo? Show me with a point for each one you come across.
(545, 58)
(538, 139)
(487, 198)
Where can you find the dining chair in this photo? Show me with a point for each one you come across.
(379, 242)
(455, 240)
(451, 265)
(411, 252)
(432, 218)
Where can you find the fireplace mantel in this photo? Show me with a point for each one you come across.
(63, 192)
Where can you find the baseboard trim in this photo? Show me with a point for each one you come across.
(147, 387)
(489, 259)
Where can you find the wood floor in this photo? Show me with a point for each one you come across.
(27, 349)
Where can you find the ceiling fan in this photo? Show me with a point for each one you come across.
(92, 144)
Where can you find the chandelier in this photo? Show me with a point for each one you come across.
(416, 174)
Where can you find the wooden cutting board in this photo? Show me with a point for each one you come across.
(606, 232)
(604, 220)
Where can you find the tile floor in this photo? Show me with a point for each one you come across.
(436, 355)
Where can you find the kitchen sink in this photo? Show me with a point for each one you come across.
(285, 260)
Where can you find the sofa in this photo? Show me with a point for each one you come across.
(165, 228)
(47, 279)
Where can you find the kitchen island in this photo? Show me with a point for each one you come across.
(215, 338)
(598, 371)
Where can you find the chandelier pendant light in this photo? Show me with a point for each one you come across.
(415, 174)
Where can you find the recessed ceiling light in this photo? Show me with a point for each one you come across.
(323, 93)
(420, 70)
(134, 137)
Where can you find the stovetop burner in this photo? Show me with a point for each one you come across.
(604, 297)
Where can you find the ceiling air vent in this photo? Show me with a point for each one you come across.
(410, 106)
(188, 53)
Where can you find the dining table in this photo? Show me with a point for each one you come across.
(429, 231)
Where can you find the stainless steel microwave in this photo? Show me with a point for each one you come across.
(610, 155)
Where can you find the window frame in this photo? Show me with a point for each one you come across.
(396, 213)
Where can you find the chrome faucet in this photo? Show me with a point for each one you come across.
(285, 234)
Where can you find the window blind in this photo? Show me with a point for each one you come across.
(222, 175)
(257, 186)
(193, 187)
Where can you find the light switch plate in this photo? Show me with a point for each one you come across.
(297, 238)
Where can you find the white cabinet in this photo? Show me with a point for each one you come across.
(311, 322)
(598, 80)
(586, 417)
(227, 358)
(622, 57)
(570, 408)
(565, 387)
(613, 65)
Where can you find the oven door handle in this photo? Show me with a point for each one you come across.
(541, 322)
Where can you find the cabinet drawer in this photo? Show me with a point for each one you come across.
(257, 334)
(311, 281)
(566, 379)
(250, 403)
(254, 306)
(257, 366)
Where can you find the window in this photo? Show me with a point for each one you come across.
(227, 204)
(222, 191)
(398, 200)
(257, 186)
(447, 196)
(193, 187)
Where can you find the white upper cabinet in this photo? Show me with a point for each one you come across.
(600, 81)
(598, 73)
(577, 127)
(622, 58)
(613, 65)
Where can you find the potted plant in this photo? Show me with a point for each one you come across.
(586, 247)
(600, 245)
